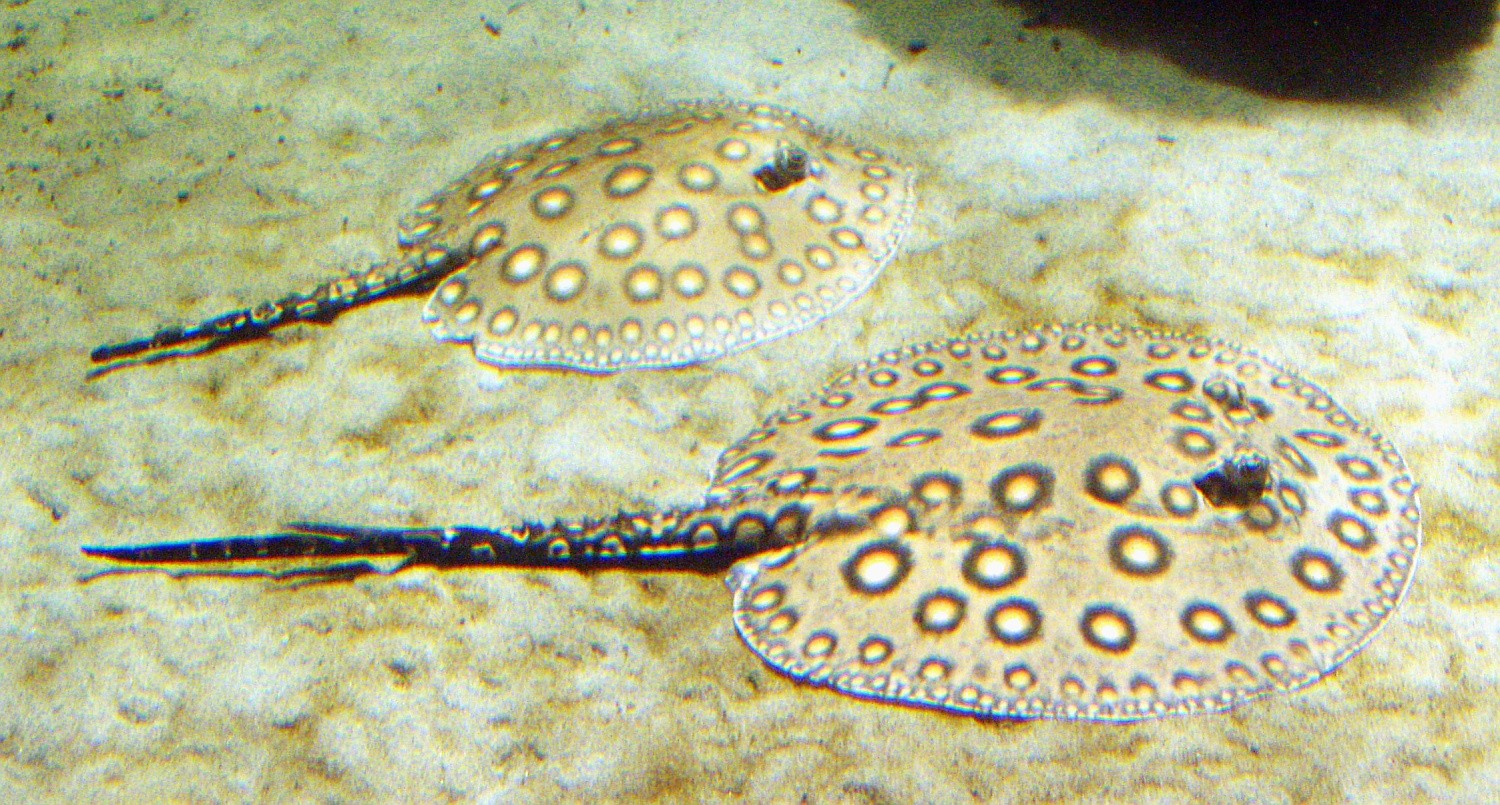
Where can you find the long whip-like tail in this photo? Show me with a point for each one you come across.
(696, 539)
(321, 305)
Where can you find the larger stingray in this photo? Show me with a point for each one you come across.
(665, 239)
(1073, 522)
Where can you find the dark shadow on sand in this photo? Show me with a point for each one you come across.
(1369, 52)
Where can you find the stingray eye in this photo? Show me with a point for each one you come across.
(787, 167)
(1239, 480)
(792, 161)
(1250, 470)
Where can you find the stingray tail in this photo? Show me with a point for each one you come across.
(702, 539)
(321, 304)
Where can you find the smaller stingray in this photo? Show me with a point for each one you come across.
(665, 239)
(1073, 522)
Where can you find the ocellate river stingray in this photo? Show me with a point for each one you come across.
(665, 239)
(1075, 522)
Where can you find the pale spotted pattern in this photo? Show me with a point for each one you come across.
(1070, 522)
(1009, 526)
(650, 241)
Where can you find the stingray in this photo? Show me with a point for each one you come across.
(665, 239)
(1070, 521)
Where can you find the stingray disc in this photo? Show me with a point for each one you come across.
(661, 240)
(1088, 523)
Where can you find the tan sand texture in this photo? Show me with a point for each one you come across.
(166, 163)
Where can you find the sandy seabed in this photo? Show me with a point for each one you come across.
(167, 162)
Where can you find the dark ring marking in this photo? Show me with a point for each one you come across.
(749, 529)
(1205, 622)
(1095, 366)
(1071, 385)
(940, 611)
(842, 453)
(938, 392)
(790, 524)
(1139, 551)
(1351, 532)
(1172, 380)
(892, 406)
(1261, 516)
(1194, 442)
(766, 598)
(1292, 498)
(1180, 500)
(914, 438)
(1010, 375)
(1096, 394)
(841, 429)
(937, 488)
(885, 550)
(875, 650)
(1005, 483)
(1004, 424)
(1369, 501)
(1192, 412)
(1099, 623)
(747, 465)
(1291, 455)
(1014, 621)
(927, 367)
(1319, 438)
(820, 644)
(1270, 610)
(994, 566)
(1317, 571)
(1111, 478)
(1358, 469)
